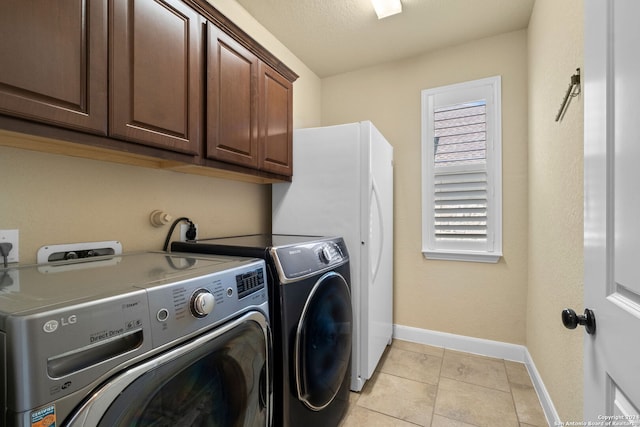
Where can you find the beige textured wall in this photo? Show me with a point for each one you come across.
(54, 199)
(471, 299)
(556, 201)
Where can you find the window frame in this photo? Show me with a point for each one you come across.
(489, 90)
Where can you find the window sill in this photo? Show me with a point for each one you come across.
(463, 256)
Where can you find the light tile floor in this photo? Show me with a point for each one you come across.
(420, 385)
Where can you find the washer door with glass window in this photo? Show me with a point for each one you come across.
(219, 379)
(323, 341)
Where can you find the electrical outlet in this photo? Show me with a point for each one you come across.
(11, 236)
(183, 231)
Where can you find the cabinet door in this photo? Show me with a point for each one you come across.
(276, 122)
(54, 61)
(156, 74)
(232, 122)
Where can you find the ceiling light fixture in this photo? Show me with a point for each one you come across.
(386, 8)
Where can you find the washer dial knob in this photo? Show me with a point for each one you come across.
(202, 303)
(325, 255)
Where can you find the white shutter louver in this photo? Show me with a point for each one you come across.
(460, 208)
(460, 134)
(460, 199)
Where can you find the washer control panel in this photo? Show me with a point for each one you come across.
(297, 261)
(202, 302)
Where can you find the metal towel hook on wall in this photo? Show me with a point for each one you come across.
(572, 91)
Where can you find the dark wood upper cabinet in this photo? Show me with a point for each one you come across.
(249, 108)
(167, 83)
(275, 122)
(232, 110)
(53, 62)
(156, 74)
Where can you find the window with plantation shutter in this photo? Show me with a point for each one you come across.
(461, 172)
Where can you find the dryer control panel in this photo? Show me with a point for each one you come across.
(301, 260)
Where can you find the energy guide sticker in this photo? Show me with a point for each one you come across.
(44, 417)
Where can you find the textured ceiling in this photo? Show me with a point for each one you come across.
(336, 36)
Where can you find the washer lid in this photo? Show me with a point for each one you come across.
(39, 288)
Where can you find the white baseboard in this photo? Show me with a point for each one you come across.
(497, 349)
(545, 400)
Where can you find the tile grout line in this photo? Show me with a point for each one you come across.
(513, 399)
(435, 399)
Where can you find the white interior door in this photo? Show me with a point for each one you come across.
(612, 210)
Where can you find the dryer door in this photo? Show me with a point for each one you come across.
(323, 341)
(217, 379)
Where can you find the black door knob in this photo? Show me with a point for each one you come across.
(571, 320)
